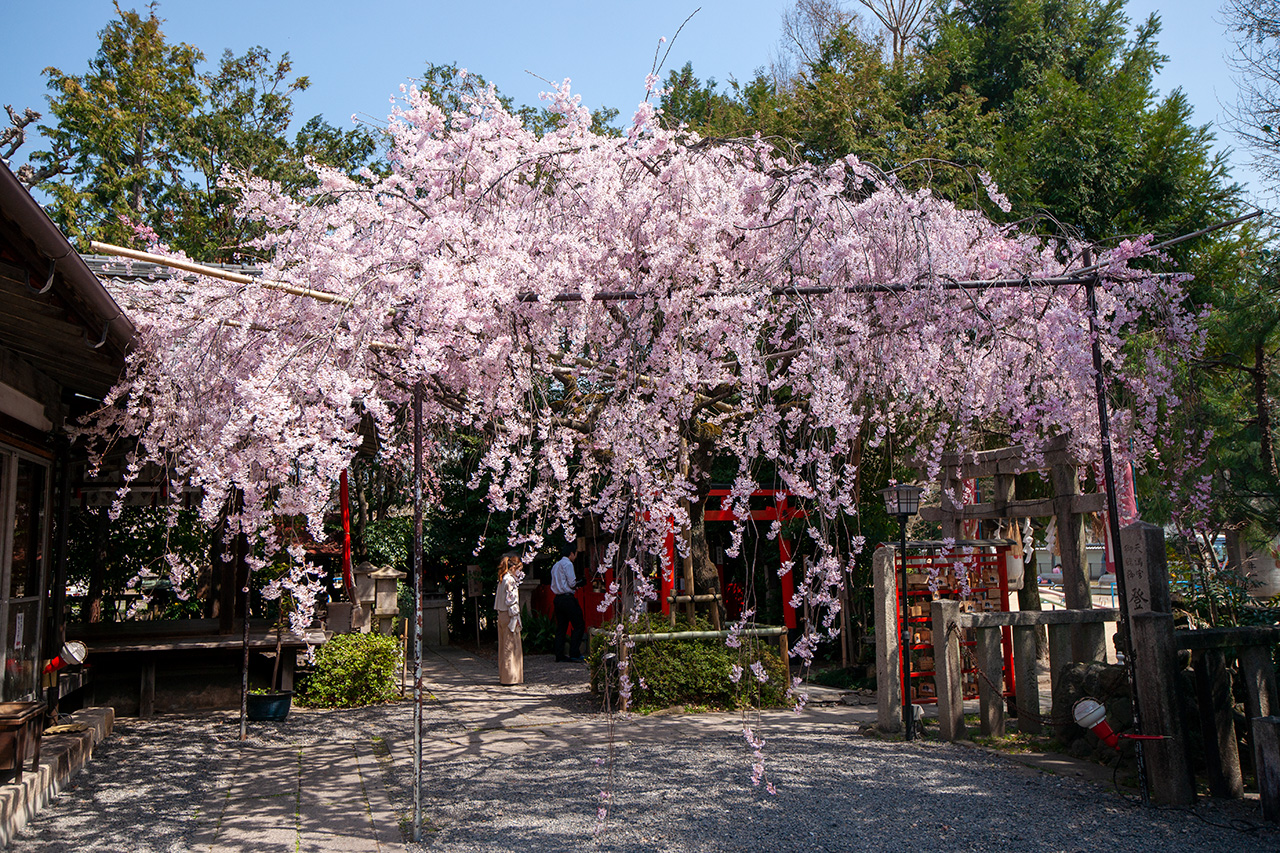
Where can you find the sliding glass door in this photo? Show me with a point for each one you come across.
(24, 522)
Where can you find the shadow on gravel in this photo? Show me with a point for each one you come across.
(679, 784)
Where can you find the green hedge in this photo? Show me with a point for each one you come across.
(353, 670)
(698, 673)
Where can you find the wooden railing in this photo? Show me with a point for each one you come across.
(1081, 628)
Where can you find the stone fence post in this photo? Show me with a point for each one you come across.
(888, 659)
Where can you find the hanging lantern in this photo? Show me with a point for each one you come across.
(902, 499)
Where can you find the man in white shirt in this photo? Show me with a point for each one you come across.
(564, 580)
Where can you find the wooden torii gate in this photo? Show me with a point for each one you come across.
(1068, 506)
(781, 509)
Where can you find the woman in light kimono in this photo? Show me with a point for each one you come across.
(507, 603)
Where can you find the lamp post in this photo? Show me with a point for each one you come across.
(904, 501)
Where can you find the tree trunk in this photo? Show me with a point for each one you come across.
(1029, 599)
(362, 483)
(92, 610)
(706, 577)
(213, 604)
(1262, 400)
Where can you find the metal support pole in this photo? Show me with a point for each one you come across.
(239, 552)
(908, 715)
(1113, 513)
(417, 612)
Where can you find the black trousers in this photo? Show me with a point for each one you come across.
(569, 613)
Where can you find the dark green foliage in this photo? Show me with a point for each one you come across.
(537, 633)
(852, 678)
(353, 670)
(104, 556)
(695, 672)
(120, 132)
(389, 542)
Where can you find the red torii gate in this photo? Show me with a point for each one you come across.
(781, 510)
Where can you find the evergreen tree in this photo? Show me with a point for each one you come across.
(118, 145)
(143, 138)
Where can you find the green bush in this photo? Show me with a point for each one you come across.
(537, 633)
(698, 673)
(353, 670)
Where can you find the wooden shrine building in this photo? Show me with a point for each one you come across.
(63, 341)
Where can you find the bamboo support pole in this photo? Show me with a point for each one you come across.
(214, 272)
(698, 635)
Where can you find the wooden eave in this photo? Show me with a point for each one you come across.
(74, 332)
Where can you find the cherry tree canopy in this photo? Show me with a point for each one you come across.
(594, 305)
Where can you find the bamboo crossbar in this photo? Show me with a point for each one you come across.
(697, 635)
(1028, 618)
(214, 272)
(1226, 638)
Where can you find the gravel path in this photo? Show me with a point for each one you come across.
(678, 784)
(835, 793)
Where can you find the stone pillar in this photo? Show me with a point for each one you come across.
(1026, 684)
(1155, 668)
(362, 619)
(1146, 569)
(888, 657)
(1059, 657)
(990, 682)
(1092, 642)
(946, 669)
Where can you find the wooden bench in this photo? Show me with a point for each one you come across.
(144, 644)
(21, 724)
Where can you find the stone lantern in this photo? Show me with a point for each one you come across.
(386, 605)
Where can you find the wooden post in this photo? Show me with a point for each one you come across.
(1155, 669)
(1075, 562)
(289, 662)
(946, 669)
(1266, 753)
(1217, 726)
(990, 682)
(1059, 657)
(1025, 683)
(888, 660)
(952, 490)
(785, 651)
(1259, 676)
(147, 692)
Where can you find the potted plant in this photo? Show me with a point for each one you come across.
(271, 704)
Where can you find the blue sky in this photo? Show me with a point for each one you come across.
(358, 54)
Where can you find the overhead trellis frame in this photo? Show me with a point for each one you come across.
(1087, 277)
